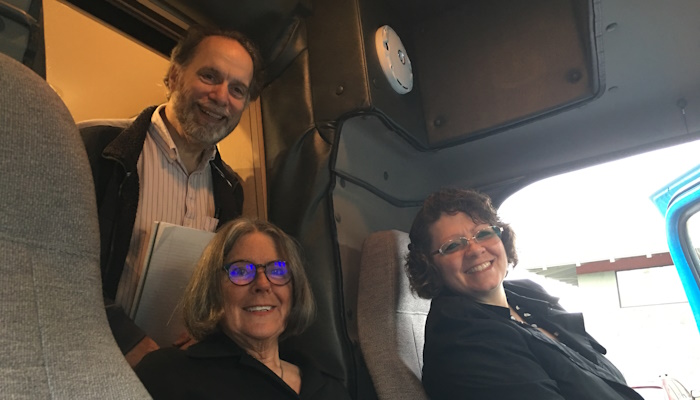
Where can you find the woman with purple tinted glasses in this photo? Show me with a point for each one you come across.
(249, 290)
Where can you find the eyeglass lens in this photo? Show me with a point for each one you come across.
(244, 272)
(457, 244)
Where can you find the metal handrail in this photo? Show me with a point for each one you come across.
(18, 15)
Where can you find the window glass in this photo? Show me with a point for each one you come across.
(673, 392)
(595, 239)
(679, 388)
(650, 286)
(672, 395)
(650, 393)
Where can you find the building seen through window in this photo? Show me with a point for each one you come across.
(594, 238)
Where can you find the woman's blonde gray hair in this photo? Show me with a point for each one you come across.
(203, 301)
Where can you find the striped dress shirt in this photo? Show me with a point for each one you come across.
(167, 193)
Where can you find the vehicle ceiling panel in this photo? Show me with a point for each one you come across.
(264, 21)
(488, 65)
(651, 61)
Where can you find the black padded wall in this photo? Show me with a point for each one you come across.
(303, 108)
(298, 153)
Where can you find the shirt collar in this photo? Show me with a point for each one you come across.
(216, 345)
(161, 136)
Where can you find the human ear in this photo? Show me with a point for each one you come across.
(173, 75)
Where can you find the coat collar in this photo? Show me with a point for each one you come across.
(540, 302)
(218, 345)
(127, 146)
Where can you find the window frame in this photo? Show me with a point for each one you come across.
(682, 205)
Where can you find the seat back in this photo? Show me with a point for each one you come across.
(391, 319)
(54, 338)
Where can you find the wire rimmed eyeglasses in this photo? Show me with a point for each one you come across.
(243, 272)
(456, 244)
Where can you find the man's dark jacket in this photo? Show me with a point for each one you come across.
(113, 152)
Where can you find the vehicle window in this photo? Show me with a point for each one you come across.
(652, 393)
(678, 387)
(672, 395)
(640, 287)
(673, 392)
(595, 239)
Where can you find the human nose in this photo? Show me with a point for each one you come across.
(261, 281)
(219, 94)
(473, 247)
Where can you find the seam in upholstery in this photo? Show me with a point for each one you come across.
(42, 337)
(415, 344)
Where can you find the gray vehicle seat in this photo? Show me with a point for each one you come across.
(54, 339)
(391, 319)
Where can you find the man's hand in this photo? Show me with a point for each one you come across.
(145, 346)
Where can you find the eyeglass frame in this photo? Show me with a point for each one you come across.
(257, 267)
(496, 229)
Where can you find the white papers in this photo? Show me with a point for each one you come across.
(169, 263)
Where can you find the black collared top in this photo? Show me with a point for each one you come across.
(476, 351)
(217, 368)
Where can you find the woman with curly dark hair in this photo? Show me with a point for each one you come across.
(487, 338)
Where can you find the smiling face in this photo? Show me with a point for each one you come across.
(477, 270)
(210, 92)
(256, 314)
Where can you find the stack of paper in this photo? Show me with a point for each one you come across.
(170, 261)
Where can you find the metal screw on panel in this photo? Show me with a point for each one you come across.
(438, 122)
(611, 27)
(339, 90)
(402, 57)
(682, 103)
(574, 75)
